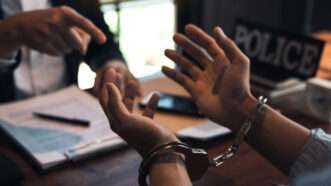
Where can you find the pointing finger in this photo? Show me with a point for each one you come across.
(73, 18)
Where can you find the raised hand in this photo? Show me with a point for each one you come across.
(216, 74)
(139, 131)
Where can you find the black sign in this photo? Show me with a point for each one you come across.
(277, 55)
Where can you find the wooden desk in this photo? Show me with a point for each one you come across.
(120, 167)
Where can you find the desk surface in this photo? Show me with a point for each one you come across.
(119, 168)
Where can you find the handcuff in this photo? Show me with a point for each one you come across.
(197, 160)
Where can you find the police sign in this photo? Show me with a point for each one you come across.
(277, 55)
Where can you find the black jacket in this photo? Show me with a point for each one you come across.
(96, 55)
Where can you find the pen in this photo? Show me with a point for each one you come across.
(72, 121)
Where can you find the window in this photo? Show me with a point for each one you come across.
(146, 28)
(144, 31)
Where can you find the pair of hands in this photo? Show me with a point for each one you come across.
(59, 31)
(217, 80)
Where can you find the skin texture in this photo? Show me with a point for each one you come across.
(133, 128)
(227, 99)
(117, 73)
(143, 134)
(216, 66)
(55, 31)
(218, 81)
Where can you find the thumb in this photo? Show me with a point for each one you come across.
(115, 105)
(151, 106)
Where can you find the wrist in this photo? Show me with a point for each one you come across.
(243, 111)
(168, 158)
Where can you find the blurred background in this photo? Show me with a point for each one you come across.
(144, 28)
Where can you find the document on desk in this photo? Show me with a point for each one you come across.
(52, 143)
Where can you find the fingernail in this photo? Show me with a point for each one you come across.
(220, 31)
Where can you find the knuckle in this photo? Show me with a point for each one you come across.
(200, 54)
(55, 19)
(44, 30)
(210, 43)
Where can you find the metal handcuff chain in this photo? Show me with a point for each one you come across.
(243, 131)
(197, 160)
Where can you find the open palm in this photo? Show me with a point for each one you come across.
(216, 77)
(139, 131)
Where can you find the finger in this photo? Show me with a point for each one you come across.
(219, 80)
(85, 38)
(103, 99)
(99, 80)
(232, 51)
(103, 79)
(203, 39)
(60, 44)
(115, 104)
(73, 39)
(151, 106)
(97, 84)
(39, 44)
(180, 78)
(79, 40)
(133, 88)
(198, 54)
(58, 40)
(75, 19)
(49, 49)
(129, 103)
(183, 62)
(120, 83)
(130, 89)
(109, 76)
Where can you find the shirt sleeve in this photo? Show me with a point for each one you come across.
(315, 156)
(6, 63)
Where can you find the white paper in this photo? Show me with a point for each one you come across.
(204, 131)
(48, 141)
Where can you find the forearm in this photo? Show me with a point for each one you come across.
(165, 174)
(276, 137)
(169, 169)
(279, 139)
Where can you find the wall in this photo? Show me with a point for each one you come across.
(285, 14)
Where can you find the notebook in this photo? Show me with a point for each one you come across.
(51, 143)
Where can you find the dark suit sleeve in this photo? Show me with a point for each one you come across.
(97, 55)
